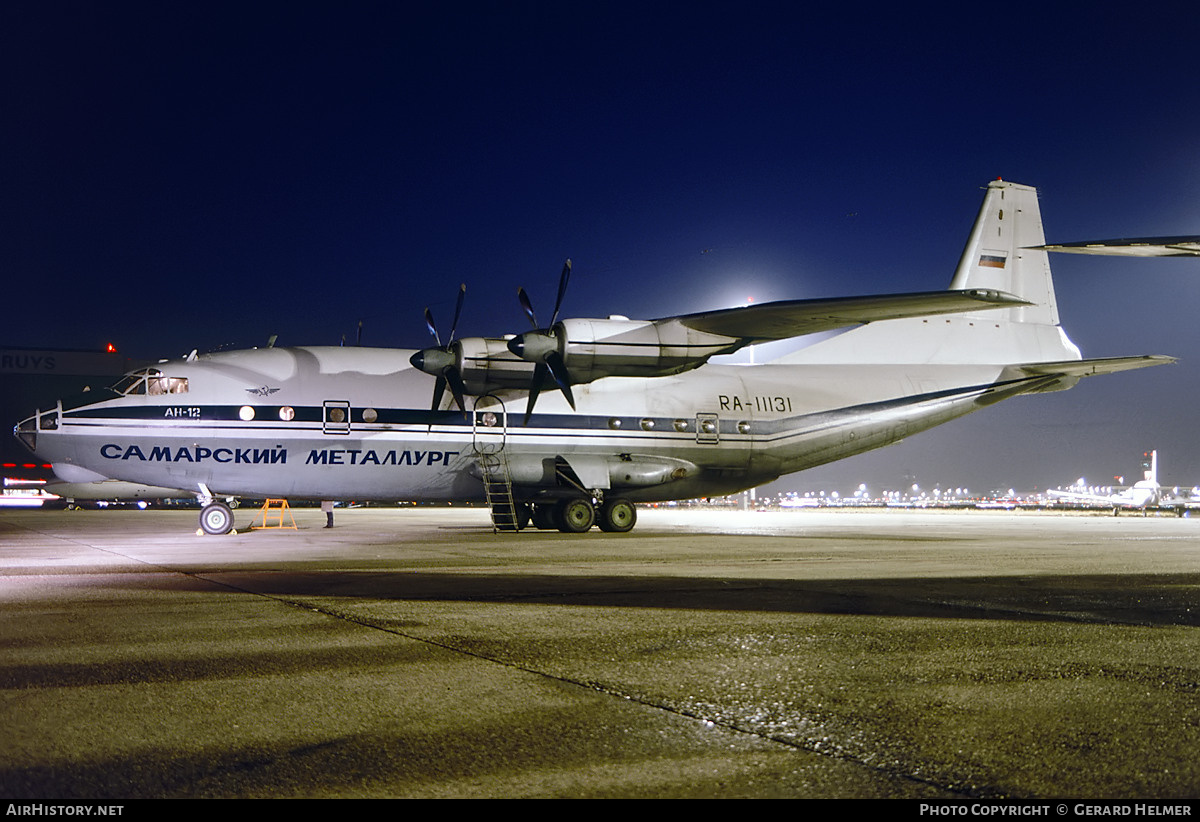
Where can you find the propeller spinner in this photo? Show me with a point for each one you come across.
(442, 361)
(541, 346)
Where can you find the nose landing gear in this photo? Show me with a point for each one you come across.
(216, 518)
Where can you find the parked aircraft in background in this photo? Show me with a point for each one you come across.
(1144, 494)
(572, 422)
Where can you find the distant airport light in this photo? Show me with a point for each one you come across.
(110, 349)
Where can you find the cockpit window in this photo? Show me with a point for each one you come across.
(167, 385)
(150, 381)
(130, 384)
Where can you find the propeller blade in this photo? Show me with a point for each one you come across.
(528, 306)
(432, 328)
(562, 290)
(535, 388)
(558, 370)
(452, 379)
(439, 388)
(457, 387)
(462, 294)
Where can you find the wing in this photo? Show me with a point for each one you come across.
(794, 318)
(1136, 247)
(1181, 501)
(1091, 499)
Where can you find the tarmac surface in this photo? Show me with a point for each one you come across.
(415, 653)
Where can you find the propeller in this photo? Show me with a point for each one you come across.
(541, 347)
(441, 361)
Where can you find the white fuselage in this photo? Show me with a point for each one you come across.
(353, 423)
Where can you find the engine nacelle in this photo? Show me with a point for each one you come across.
(486, 365)
(620, 347)
(590, 350)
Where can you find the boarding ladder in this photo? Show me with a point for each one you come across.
(497, 488)
(488, 429)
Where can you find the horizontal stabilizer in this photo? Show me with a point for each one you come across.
(1090, 368)
(793, 318)
(1137, 247)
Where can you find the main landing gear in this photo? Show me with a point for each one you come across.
(573, 515)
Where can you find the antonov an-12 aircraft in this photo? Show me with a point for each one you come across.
(570, 424)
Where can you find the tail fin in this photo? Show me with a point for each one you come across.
(1150, 466)
(999, 252)
(997, 256)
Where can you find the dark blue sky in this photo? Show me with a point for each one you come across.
(181, 176)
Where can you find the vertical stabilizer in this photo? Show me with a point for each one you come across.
(998, 253)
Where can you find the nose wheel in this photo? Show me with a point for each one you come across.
(216, 518)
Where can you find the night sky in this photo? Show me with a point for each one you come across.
(182, 176)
